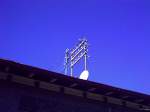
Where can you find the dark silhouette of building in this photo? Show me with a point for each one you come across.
(28, 89)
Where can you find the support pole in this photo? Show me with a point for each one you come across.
(85, 62)
(66, 61)
(85, 56)
(72, 71)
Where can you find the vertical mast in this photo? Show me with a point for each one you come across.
(66, 61)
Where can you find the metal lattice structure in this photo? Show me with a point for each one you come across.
(72, 57)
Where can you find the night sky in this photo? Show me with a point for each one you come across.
(37, 32)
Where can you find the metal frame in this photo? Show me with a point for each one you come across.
(66, 61)
(73, 56)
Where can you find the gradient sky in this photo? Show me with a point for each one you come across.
(37, 32)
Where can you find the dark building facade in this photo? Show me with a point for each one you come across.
(28, 89)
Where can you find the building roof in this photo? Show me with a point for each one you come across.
(71, 82)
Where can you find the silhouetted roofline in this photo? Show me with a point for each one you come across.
(71, 82)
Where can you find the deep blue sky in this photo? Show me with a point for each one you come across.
(37, 32)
